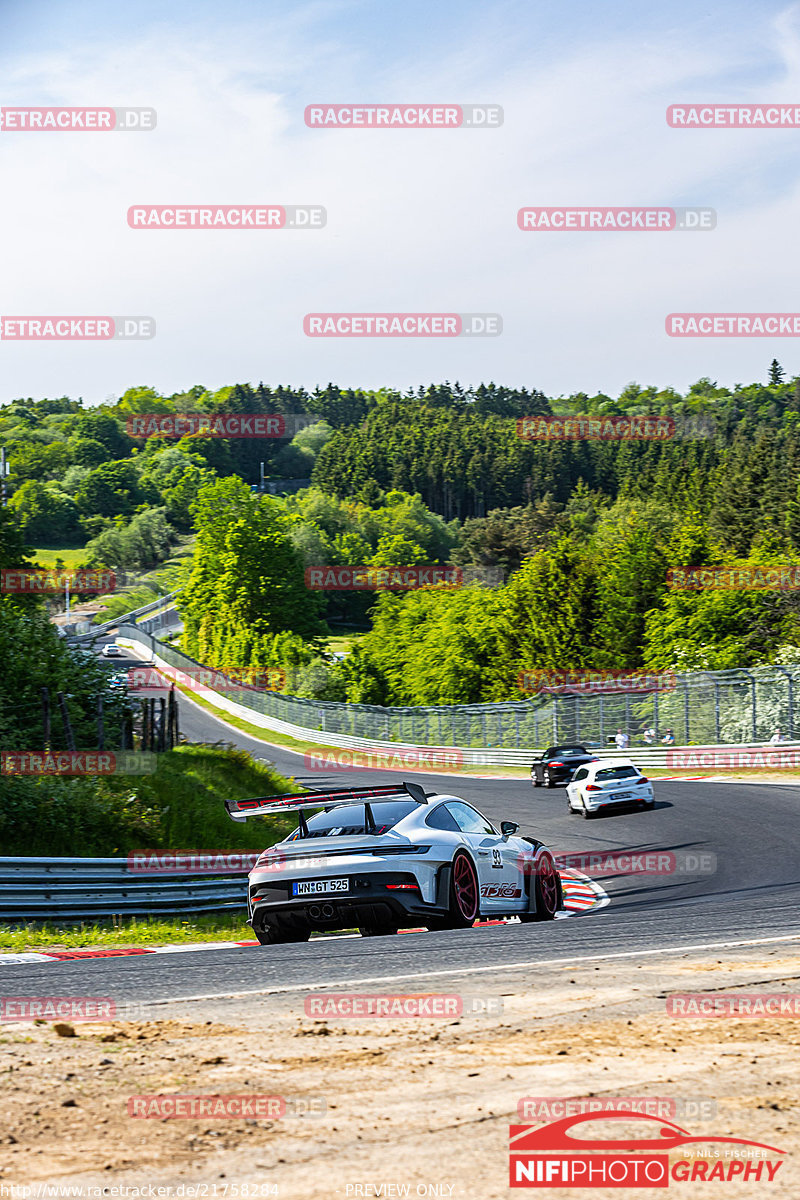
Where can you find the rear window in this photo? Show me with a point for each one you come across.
(618, 773)
(567, 751)
(349, 820)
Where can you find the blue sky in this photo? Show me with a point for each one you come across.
(417, 220)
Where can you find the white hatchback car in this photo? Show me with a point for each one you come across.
(607, 783)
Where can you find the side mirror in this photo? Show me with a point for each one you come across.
(508, 827)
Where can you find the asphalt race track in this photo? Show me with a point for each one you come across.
(753, 893)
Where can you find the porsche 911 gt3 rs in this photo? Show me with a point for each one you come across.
(390, 857)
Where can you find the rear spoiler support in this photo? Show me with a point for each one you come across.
(240, 810)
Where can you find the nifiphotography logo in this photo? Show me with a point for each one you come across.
(554, 1156)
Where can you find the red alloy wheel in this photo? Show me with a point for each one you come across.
(548, 884)
(466, 887)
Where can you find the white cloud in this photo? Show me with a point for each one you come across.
(416, 221)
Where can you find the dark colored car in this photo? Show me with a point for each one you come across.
(559, 763)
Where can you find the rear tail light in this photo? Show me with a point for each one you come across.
(384, 850)
(555, 763)
(644, 779)
(402, 887)
(592, 787)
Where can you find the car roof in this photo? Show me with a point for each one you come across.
(613, 762)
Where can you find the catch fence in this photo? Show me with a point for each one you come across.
(703, 708)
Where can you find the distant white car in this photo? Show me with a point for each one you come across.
(111, 651)
(608, 783)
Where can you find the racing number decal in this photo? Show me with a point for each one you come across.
(497, 858)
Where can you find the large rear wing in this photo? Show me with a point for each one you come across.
(240, 810)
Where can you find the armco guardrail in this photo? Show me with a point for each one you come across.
(701, 758)
(72, 888)
(700, 707)
(126, 618)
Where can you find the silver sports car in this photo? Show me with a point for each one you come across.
(382, 858)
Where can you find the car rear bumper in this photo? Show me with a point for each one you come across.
(612, 802)
(559, 774)
(374, 899)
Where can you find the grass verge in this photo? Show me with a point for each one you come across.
(125, 931)
(71, 556)
(179, 806)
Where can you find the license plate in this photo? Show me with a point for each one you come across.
(320, 887)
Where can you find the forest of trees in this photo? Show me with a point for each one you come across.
(584, 531)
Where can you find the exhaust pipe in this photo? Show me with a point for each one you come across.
(327, 911)
(314, 911)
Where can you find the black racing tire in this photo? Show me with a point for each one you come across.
(570, 810)
(547, 890)
(278, 935)
(588, 816)
(535, 780)
(549, 781)
(649, 806)
(465, 897)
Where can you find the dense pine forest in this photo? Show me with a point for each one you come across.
(584, 531)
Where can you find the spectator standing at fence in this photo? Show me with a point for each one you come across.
(649, 735)
(777, 737)
(622, 740)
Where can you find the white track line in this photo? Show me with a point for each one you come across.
(495, 967)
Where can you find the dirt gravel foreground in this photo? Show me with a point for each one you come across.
(394, 1107)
